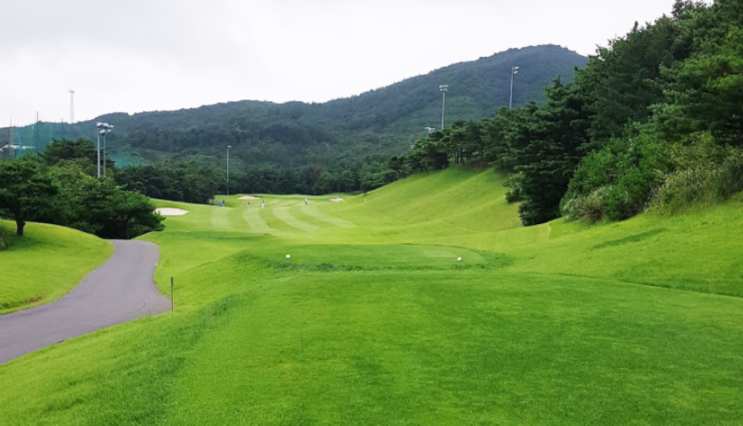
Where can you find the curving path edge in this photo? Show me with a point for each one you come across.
(120, 290)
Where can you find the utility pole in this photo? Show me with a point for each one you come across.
(514, 71)
(443, 89)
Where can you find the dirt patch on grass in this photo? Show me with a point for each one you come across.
(336, 200)
(248, 197)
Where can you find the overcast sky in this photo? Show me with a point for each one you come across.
(145, 55)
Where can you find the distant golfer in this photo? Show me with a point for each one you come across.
(263, 203)
(248, 203)
(305, 201)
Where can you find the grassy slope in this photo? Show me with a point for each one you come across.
(373, 321)
(46, 264)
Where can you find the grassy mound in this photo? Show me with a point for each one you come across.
(373, 320)
(45, 264)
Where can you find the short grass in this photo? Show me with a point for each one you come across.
(374, 321)
(45, 264)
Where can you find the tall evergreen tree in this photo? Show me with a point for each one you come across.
(26, 190)
(548, 154)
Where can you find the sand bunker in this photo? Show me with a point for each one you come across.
(336, 200)
(170, 211)
(248, 197)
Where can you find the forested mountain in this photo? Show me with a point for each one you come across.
(334, 134)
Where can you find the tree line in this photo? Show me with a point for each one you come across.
(655, 120)
(197, 182)
(59, 186)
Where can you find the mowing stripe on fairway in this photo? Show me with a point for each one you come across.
(220, 219)
(298, 213)
(312, 210)
(283, 214)
(251, 215)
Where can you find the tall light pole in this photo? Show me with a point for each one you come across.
(103, 130)
(72, 106)
(443, 89)
(514, 71)
(228, 169)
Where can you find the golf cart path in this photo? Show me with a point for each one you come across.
(120, 290)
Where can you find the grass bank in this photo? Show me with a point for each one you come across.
(373, 320)
(45, 264)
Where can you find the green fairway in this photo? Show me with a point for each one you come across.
(45, 264)
(374, 320)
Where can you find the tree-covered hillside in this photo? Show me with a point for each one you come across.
(334, 134)
(652, 122)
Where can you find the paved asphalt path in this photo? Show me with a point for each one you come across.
(120, 290)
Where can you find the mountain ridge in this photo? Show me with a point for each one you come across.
(382, 121)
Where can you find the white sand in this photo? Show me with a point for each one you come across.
(248, 197)
(336, 200)
(170, 211)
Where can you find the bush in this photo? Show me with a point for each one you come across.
(617, 182)
(590, 208)
(3, 244)
(515, 192)
(705, 174)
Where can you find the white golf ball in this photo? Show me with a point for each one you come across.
(459, 259)
(288, 256)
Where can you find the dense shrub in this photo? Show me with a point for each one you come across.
(514, 183)
(590, 208)
(704, 173)
(617, 181)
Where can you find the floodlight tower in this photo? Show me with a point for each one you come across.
(514, 71)
(11, 143)
(36, 134)
(72, 106)
(443, 89)
(103, 130)
(228, 169)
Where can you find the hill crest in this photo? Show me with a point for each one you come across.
(381, 121)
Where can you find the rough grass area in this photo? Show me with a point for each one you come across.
(45, 264)
(373, 320)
